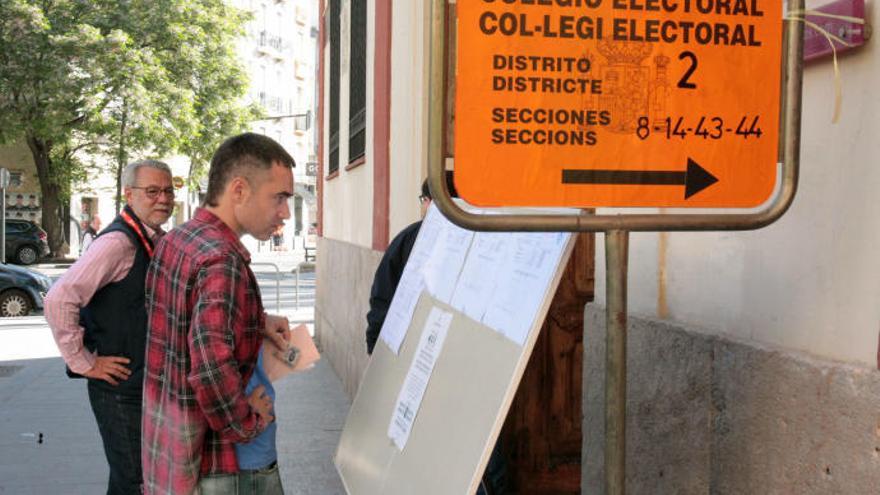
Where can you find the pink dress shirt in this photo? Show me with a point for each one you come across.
(108, 259)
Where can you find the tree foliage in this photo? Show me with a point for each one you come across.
(117, 78)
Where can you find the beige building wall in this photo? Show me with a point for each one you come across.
(17, 158)
(347, 262)
(348, 198)
(808, 282)
(409, 110)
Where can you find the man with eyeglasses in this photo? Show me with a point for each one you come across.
(98, 317)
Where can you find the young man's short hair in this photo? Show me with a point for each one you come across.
(239, 154)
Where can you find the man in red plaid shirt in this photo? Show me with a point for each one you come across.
(206, 322)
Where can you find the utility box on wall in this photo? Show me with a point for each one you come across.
(855, 34)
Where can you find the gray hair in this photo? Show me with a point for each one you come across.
(130, 172)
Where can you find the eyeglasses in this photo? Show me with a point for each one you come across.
(152, 192)
(423, 198)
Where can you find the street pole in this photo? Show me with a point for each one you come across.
(616, 264)
(4, 183)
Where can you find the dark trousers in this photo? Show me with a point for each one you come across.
(119, 421)
(494, 480)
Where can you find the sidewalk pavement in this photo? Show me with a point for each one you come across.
(49, 442)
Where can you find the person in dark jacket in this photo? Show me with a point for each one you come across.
(97, 313)
(390, 269)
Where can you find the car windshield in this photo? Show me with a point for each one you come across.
(15, 227)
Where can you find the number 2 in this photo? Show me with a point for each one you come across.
(684, 83)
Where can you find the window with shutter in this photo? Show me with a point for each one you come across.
(333, 20)
(357, 103)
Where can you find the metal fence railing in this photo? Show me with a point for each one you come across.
(278, 284)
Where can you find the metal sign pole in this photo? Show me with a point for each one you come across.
(616, 264)
(4, 183)
(3, 225)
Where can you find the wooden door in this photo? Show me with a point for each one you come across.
(541, 438)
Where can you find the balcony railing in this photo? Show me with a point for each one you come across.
(275, 105)
(269, 40)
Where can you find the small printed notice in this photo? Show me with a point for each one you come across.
(416, 382)
(524, 276)
(411, 284)
(442, 269)
(479, 276)
(496, 278)
(400, 313)
(434, 265)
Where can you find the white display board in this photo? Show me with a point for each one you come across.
(452, 351)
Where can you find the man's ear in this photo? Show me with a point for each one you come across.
(239, 188)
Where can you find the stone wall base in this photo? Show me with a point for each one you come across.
(344, 278)
(708, 415)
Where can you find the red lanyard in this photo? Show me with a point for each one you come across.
(140, 232)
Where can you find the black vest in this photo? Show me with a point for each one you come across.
(115, 320)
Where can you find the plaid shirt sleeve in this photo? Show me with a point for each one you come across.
(214, 374)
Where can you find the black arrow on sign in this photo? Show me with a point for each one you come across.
(694, 179)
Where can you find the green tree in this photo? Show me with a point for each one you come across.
(218, 81)
(120, 78)
(192, 98)
(149, 111)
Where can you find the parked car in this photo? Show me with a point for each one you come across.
(26, 242)
(21, 290)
